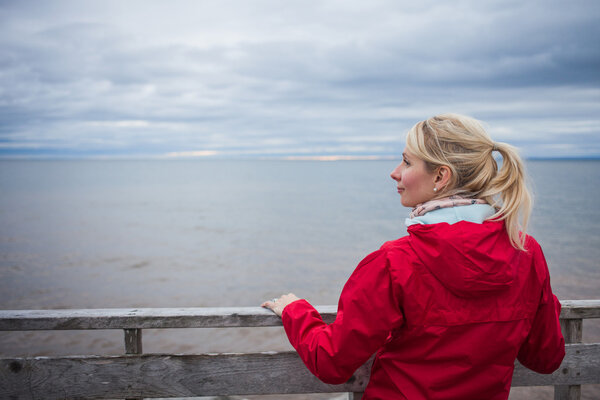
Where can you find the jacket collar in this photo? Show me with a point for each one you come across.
(476, 213)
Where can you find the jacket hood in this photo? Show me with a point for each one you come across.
(470, 259)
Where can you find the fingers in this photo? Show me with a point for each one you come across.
(278, 304)
(273, 306)
(268, 304)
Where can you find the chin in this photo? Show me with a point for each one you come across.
(407, 203)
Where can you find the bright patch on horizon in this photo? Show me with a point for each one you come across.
(199, 153)
(335, 158)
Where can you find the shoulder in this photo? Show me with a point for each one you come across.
(401, 244)
(386, 249)
(396, 257)
(532, 245)
(535, 252)
(386, 255)
(399, 251)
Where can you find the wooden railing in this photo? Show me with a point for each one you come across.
(138, 375)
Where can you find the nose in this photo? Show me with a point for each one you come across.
(395, 175)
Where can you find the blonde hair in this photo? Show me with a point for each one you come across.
(462, 144)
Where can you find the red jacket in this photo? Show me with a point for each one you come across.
(447, 308)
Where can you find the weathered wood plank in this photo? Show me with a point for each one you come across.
(220, 374)
(124, 318)
(144, 318)
(580, 309)
(154, 318)
(149, 376)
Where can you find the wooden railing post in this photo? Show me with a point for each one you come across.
(133, 341)
(572, 330)
(133, 345)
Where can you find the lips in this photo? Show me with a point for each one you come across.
(400, 190)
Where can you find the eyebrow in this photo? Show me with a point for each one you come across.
(404, 155)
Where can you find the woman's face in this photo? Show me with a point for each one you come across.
(415, 183)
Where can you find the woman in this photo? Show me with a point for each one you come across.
(449, 307)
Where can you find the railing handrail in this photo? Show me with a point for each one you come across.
(193, 317)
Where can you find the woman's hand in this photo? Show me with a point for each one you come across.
(277, 305)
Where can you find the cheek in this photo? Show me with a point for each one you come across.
(408, 178)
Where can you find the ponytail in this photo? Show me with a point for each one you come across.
(516, 200)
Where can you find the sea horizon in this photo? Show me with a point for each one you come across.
(295, 157)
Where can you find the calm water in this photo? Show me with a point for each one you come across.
(101, 234)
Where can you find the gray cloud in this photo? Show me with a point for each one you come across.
(253, 78)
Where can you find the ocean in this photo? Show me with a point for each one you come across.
(196, 233)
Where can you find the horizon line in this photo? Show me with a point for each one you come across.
(214, 157)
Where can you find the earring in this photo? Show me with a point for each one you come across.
(435, 189)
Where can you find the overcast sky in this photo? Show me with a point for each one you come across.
(293, 78)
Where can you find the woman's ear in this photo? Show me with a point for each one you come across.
(442, 176)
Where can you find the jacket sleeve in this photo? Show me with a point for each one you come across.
(544, 347)
(368, 309)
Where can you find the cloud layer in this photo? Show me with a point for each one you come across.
(267, 78)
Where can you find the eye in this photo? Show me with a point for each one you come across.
(405, 162)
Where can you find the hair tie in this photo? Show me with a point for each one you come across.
(495, 147)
